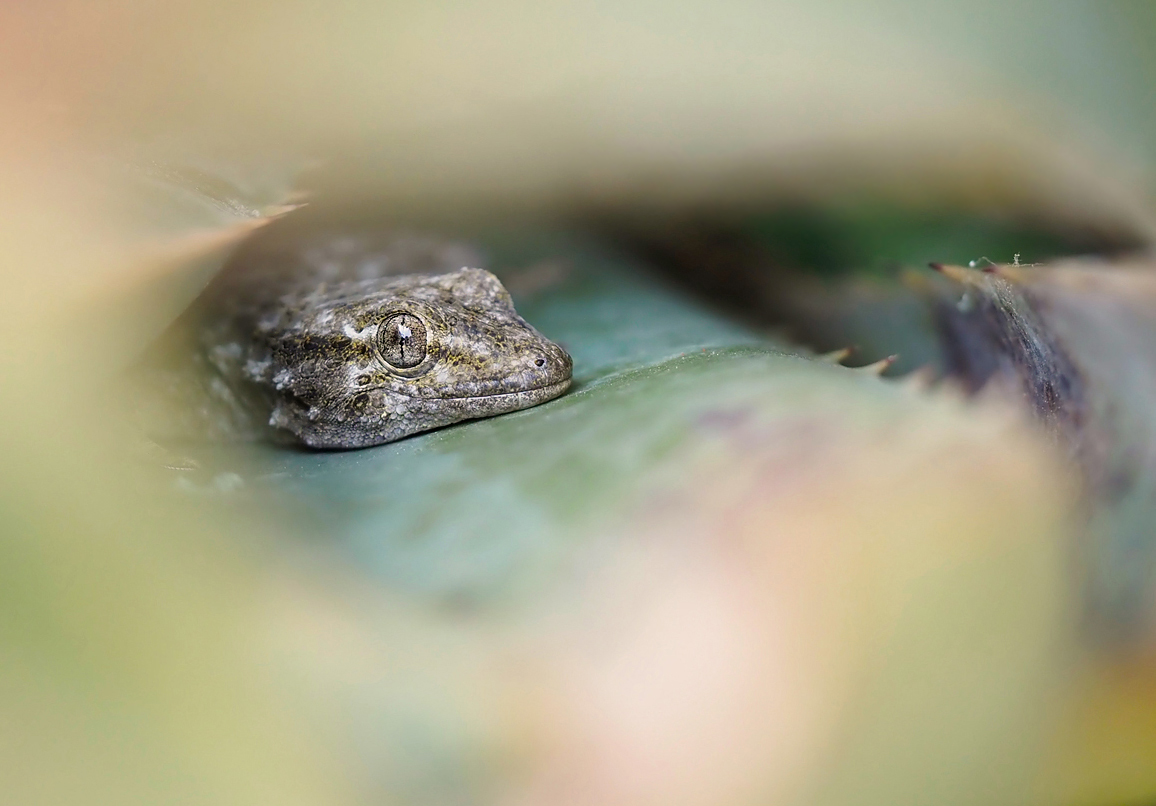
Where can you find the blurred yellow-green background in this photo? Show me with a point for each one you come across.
(718, 572)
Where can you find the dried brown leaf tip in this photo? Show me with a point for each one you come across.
(960, 274)
(975, 273)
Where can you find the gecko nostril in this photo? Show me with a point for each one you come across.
(539, 362)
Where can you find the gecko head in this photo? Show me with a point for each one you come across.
(415, 353)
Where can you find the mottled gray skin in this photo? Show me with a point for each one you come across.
(288, 343)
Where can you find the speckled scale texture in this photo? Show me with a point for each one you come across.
(286, 344)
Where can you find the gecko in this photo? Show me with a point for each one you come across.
(341, 341)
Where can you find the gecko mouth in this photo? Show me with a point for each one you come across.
(474, 406)
(536, 393)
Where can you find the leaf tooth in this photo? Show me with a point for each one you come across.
(879, 367)
(837, 356)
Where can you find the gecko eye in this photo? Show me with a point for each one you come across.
(402, 340)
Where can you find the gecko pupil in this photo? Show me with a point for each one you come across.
(403, 341)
